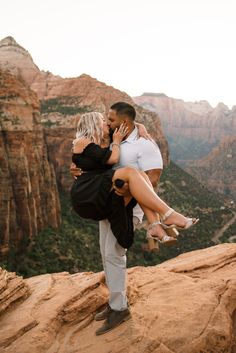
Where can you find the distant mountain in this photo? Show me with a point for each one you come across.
(217, 170)
(192, 129)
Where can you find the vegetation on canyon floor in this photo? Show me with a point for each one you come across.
(185, 149)
(63, 105)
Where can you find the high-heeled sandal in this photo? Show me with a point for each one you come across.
(189, 222)
(153, 239)
(171, 231)
(152, 243)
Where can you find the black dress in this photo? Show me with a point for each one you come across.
(92, 197)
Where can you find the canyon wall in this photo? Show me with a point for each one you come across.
(29, 197)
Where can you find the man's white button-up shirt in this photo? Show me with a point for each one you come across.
(141, 154)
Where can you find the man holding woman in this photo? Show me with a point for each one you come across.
(143, 155)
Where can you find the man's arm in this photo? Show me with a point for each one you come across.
(154, 176)
(150, 161)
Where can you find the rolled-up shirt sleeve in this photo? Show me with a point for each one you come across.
(149, 156)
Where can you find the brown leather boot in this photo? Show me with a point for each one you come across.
(103, 314)
(114, 319)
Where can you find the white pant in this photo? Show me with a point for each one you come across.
(114, 265)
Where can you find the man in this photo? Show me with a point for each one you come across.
(144, 155)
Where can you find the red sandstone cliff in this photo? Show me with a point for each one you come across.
(28, 198)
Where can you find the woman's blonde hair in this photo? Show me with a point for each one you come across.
(90, 126)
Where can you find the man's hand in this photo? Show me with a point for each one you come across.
(74, 171)
(154, 176)
(124, 191)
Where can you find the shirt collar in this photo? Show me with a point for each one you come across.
(133, 136)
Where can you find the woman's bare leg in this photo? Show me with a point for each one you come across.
(150, 215)
(142, 191)
(153, 217)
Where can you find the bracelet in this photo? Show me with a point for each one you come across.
(115, 144)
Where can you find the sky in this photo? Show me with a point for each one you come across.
(182, 48)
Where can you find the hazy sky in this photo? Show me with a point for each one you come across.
(183, 48)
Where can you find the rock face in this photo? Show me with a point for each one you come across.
(12, 52)
(19, 62)
(218, 169)
(28, 198)
(12, 289)
(63, 101)
(185, 305)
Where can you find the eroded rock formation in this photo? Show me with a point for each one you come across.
(185, 305)
(12, 289)
(28, 192)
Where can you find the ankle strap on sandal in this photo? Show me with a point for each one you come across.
(167, 214)
(153, 224)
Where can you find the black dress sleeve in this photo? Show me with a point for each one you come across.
(97, 153)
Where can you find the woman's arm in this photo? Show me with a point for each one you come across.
(117, 137)
(115, 153)
(96, 152)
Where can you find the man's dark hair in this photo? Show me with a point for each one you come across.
(123, 108)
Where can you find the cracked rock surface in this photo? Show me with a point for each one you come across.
(185, 305)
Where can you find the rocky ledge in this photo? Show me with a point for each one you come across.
(185, 305)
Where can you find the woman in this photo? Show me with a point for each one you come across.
(93, 194)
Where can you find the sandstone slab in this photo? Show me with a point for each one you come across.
(185, 305)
